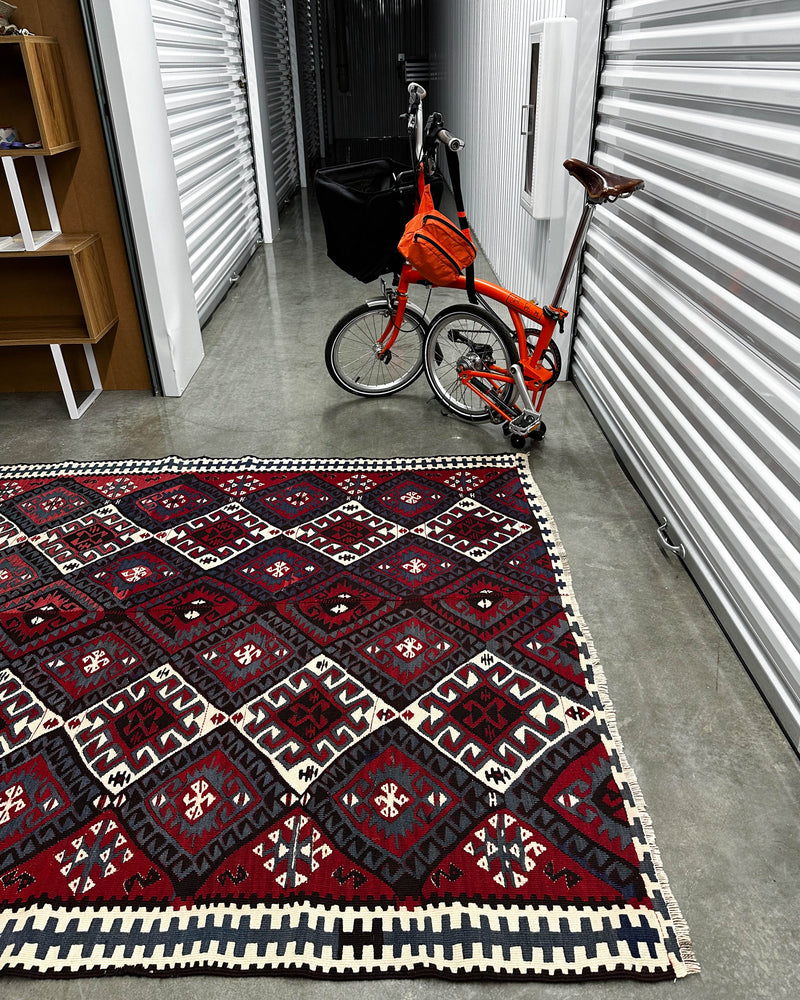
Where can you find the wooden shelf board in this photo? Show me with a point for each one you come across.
(29, 331)
(27, 40)
(50, 151)
(15, 244)
(60, 246)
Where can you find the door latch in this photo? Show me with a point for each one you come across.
(667, 543)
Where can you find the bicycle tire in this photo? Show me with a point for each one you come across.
(447, 345)
(352, 356)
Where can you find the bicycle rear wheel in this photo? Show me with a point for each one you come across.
(355, 359)
(467, 337)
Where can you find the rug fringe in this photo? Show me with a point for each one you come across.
(690, 964)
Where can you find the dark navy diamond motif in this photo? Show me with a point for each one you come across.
(397, 806)
(191, 812)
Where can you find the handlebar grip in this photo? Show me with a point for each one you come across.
(451, 141)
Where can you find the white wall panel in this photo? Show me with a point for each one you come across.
(480, 53)
(688, 331)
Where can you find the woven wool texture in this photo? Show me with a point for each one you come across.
(321, 717)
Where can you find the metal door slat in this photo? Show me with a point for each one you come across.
(770, 187)
(777, 88)
(214, 252)
(745, 609)
(681, 248)
(187, 9)
(774, 139)
(696, 374)
(195, 176)
(201, 70)
(745, 221)
(687, 343)
(735, 32)
(206, 236)
(280, 97)
(209, 94)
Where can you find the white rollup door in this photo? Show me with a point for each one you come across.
(688, 332)
(200, 54)
(276, 43)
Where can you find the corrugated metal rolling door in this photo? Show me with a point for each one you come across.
(309, 63)
(199, 50)
(688, 333)
(275, 43)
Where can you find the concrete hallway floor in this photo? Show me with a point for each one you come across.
(721, 782)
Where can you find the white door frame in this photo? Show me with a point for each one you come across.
(127, 48)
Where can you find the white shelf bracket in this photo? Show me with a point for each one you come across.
(75, 410)
(19, 203)
(47, 191)
(32, 240)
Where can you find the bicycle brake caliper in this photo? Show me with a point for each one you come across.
(390, 294)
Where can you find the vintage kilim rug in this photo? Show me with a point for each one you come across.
(320, 717)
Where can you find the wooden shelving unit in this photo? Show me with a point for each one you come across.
(61, 288)
(35, 94)
(79, 306)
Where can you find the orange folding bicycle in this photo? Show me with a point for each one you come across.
(478, 367)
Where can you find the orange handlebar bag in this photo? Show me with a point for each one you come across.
(434, 246)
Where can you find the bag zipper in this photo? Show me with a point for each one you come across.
(435, 245)
(449, 225)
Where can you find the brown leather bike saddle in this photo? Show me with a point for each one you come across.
(601, 185)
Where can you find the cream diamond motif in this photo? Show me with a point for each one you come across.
(493, 719)
(306, 721)
(472, 529)
(347, 533)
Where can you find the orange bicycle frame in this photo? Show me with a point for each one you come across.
(537, 377)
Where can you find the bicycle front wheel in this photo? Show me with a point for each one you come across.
(356, 360)
(467, 338)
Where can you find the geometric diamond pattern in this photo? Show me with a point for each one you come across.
(347, 533)
(472, 529)
(94, 536)
(15, 572)
(22, 715)
(10, 534)
(306, 721)
(484, 603)
(214, 538)
(44, 615)
(336, 607)
(127, 735)
(414, 566)
(185, 614)
(494, 718)
(315, 717)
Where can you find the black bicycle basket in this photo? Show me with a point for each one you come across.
(365, 207)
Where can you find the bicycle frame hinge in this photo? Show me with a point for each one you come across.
(666, 542)
(556, 314)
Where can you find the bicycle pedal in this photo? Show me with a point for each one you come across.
(525, 423)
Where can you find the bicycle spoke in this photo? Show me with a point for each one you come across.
(360, 363)
(462, 340)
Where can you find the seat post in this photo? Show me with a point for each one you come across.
(574, 252)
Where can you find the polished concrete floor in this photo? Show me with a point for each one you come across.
(721, 782)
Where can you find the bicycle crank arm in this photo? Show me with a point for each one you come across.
(530, 418)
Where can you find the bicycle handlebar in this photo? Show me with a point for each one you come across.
(434, 130)
(451, 141)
